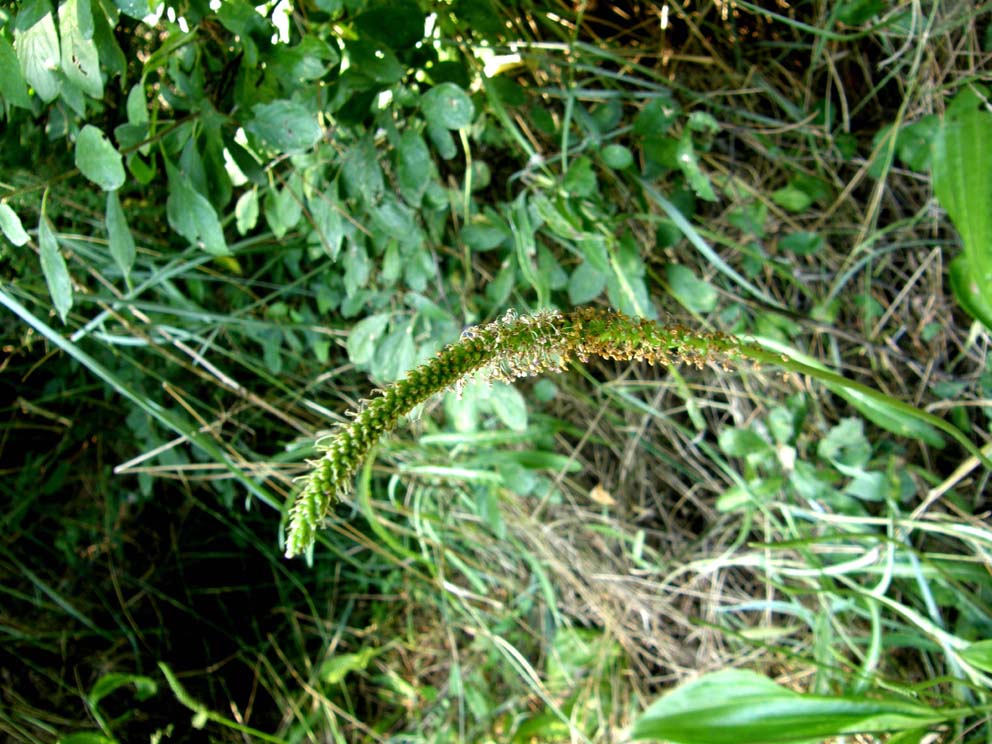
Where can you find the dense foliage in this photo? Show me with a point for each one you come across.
(224, 224)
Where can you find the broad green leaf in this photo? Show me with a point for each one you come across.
(962, 181)
(361, 172)
(285, 126)
(509, 405)
(11, 225)
(364, 336)
(192, 215)
(448, 106)
(695, 294)
(54, 268)
(137, 107)
(792, 198)
(80, 61)
(742, 707)
(283, 208)
(13, 87)
(328, 224)
(374, 62)
(657, 116)
(98, 160)
(119, 234)
(38, 52)
(585, 284)
(484, 234)
(396, 354)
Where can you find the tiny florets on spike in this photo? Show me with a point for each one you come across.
(508, 348)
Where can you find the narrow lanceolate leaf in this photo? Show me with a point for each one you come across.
(119, 234)
(743, 707)
(55, 270)
(98, 159)
(11, 226)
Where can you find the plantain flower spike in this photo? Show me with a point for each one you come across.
(510, 347)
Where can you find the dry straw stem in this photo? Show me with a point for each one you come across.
(520, 346)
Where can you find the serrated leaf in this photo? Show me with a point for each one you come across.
(98, 159)
(742, 707)
(446, 105)
(119, 234)
(54, 268)
(11, 226)
(80, 60)
(38, 53)
(192, 215)
(13, 87)
(285, 126)
(363, 338)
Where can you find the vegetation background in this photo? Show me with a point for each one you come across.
(223, 225)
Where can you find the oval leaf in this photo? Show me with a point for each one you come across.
(98, 160)
(285, 126)
(446, 105)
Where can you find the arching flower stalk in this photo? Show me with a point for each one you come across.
(506, 349)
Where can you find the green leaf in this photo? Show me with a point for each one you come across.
(979, 655)
(585, 284)
(695, 294)
(54, 268)
(802, 243)
(792, 198)
(192, 215)
(144, 687)
(363, 338)
(856, 12)
(335, 669)
(968, 292)
(617, 157)
(11, 226)
(80, 60)
(688, 162)
(448, 106)
(119, 234)
(509, 406)
(374, 62)
(581, 178)
(13, 87)
(246, 211)
(657, 116)
(742, 442)
(285, 126)
(962, 181)
(414, 167)
(86, 737)
(98, 160)
(742, 707)
(137, 9)
(396, 354)
(38, 52)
